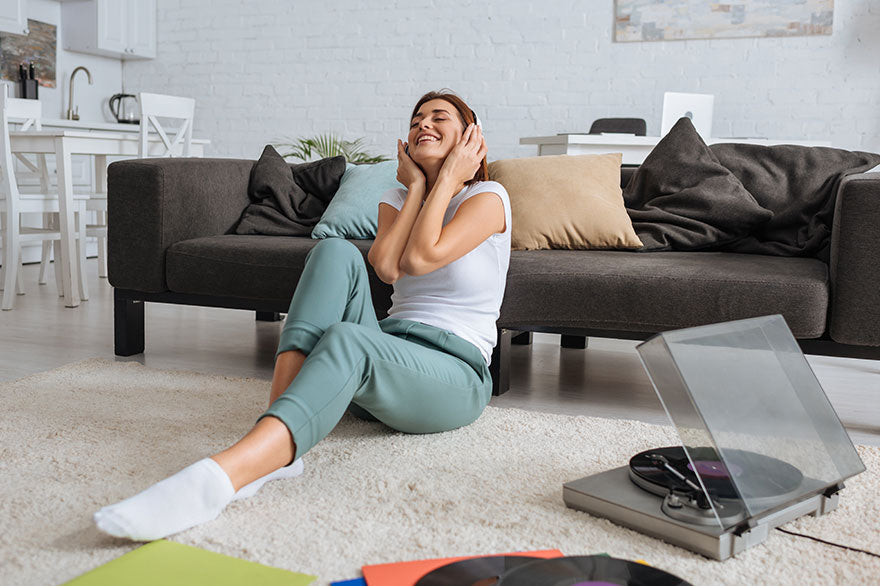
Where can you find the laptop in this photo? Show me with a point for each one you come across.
(698, 107)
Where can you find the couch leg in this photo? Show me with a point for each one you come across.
(268, 316)
(500, 366)
(522, 339)
(128, 326)
(568, 341)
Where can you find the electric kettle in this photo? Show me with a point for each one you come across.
(125, 108)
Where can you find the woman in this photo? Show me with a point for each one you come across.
(444, 243)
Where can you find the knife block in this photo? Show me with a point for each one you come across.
(29, 89)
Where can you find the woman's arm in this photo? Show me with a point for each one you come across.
(475, 220)
(394, 227)
(432, 245)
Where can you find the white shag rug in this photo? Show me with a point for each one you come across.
(79, 437)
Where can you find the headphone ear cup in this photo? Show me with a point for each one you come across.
(476, 119)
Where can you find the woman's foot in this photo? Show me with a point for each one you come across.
(195, 495)
(295, 469)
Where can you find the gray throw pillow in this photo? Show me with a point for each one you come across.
(682, 198)
(288, 200)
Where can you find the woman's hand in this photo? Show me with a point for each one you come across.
(408, 173)
(465, 157)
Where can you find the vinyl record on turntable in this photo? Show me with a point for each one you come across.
(665, 469)
(592, 570)
(482, 571)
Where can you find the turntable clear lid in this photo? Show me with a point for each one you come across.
(748, 407)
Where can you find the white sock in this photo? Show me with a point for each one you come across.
(249, 490)
(195, 495)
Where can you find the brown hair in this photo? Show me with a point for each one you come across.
(466, 115)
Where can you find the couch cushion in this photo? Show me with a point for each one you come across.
(601, 290)
(615, 290)
(251, 267)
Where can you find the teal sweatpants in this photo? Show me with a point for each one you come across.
(411, 376)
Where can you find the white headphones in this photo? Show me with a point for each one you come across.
(477, 119)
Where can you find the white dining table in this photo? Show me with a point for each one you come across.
(633, 148)
(64, 143)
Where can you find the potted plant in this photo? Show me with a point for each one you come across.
(328, 145)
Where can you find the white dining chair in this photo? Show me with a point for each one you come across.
(158, 106)
(154, 109)
(15, 204)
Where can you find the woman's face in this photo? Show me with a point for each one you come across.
(433, 131)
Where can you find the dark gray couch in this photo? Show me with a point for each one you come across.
(170, 240)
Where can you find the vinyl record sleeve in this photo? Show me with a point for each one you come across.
(170, 563)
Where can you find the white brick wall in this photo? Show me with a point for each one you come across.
(264, 71)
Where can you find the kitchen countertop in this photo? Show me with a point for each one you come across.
(89, 125)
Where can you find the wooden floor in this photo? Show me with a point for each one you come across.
(606, 380)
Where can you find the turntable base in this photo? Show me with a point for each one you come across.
(612, 495)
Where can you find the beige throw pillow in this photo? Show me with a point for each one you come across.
(566, 201)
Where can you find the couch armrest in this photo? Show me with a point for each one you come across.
(153, 203)
(855, 262)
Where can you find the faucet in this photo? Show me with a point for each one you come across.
(73, 113)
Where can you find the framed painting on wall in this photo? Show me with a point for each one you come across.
(664, 20)
(37, 47)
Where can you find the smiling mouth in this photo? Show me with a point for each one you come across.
(427, 139)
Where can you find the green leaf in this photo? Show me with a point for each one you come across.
(327, 145)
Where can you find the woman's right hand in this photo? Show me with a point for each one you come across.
(408, 173)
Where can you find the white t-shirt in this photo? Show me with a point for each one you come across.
(463, 297)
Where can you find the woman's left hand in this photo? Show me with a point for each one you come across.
(465, 157)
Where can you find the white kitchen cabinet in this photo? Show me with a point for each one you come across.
(13, 17)
(112, 28)
(142, 28)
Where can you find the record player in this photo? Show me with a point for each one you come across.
(760, 443)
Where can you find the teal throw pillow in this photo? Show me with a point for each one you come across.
(354, 210)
